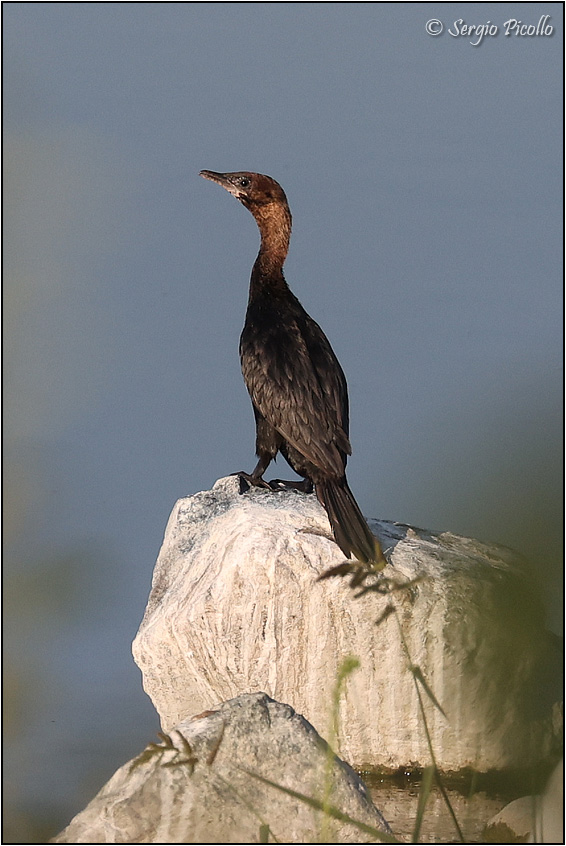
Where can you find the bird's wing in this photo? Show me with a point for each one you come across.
(296, 382)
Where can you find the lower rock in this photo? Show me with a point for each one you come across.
(199, 785)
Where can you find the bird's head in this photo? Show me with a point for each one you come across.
(266, 200)
(254, 190)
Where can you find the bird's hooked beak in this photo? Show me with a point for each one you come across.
(224, 180)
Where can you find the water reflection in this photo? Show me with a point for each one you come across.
(398, 803)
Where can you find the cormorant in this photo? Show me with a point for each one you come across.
(297, 387)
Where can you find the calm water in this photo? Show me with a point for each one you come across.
(398, 804)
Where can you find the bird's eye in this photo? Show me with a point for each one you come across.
(244, 181)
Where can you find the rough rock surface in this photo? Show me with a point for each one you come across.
(236, 607)
(199, 789)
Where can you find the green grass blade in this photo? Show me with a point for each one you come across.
(418, 674)
(424, 793)
(264, 834)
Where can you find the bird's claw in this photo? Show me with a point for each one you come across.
(247, 481)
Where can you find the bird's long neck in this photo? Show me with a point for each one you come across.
(274, 222)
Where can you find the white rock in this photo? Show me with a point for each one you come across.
(549, 818)
(513, 824)
(532, 819)
(200, 790)
(236, 607)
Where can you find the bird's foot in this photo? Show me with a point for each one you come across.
(248, 480)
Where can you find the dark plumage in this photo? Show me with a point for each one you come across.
(297, 387)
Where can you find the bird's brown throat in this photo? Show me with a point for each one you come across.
(274, 222)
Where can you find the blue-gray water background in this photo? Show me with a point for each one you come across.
(424, 177)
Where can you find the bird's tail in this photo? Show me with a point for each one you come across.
(351, 532)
